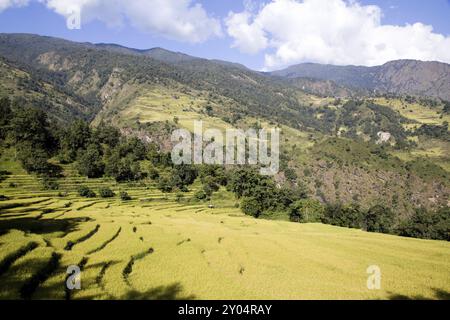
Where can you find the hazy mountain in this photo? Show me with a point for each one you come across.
(104, 74)
(399, 77)
(159, 54)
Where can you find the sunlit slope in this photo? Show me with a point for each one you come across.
(161, 249)
(415, 111)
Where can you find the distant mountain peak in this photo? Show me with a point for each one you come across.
(408, 76)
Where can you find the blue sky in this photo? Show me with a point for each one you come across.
(272, 50)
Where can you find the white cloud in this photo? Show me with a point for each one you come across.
(5, 4)
(331, 31)
(180, 20)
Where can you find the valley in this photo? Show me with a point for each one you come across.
(86, 177)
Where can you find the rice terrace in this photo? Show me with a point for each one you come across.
(154, 247)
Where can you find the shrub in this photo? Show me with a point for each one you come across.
(153, 174)
(106, 193)
(290, 174)
(123, 169)
(124, 196)
(379, 219)
(343, 216)
(427, 225)
(50, 184)
(90, 162)
(165, 185)
(183, 175)
(68, 204)
(179, 196)
(210, 185)
(200, 195)
(251, 206)
(306, 210)
(85, 192)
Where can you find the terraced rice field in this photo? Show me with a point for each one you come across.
(416, 112)
(163, 104)
(155, 248)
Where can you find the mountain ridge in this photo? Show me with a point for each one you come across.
(410, 77)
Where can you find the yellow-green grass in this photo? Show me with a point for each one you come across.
(164, 104)
(187, 250)
(415, 111)
(437, 150)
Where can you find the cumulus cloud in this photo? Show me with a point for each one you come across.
(330, 31)
(5, 4)
(180, 20)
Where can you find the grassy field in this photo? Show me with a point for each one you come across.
(164, 104)
(153, 247)
(415, 111)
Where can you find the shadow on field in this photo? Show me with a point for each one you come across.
(171, 292)
(15, 286)
(439, 294)
(41, 226)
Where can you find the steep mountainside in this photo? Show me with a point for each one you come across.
(27, 89)
(100, 76)
(399, 77)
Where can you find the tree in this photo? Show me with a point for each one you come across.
(165, 185)
(209, 110)
(76, 138)
(90, 162)
(427, 225)
(86, 192)
(153, 173)
(344, 216)
(183, 175)
(31, 126)
(122, 169)
(5, 115)
(153, 154)
(251, 206)
(200, 195)
(35, 160)
(124, 196)
(106, 193)
(106, 134)
(306, 210)
(133, 148)
(446, 109)
(210, 185)
(215, 171)
(379, 219)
